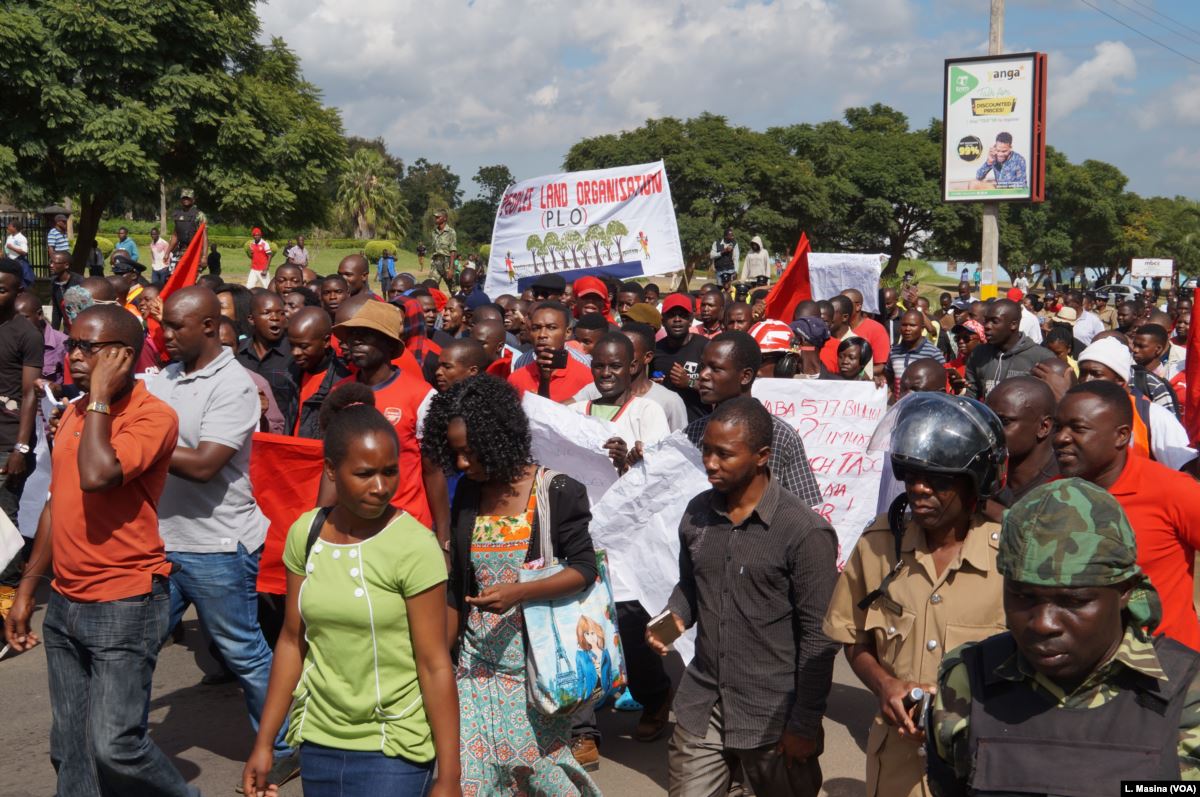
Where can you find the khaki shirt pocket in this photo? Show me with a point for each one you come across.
(958, 634)
(890, 630)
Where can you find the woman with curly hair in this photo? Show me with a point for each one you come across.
(507, 746)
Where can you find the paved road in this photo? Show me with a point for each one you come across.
(205, 732)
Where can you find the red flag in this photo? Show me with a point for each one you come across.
(285, 474)
(793, 287)
(188, 267)
(1191, 410)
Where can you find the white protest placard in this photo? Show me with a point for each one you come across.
(37, 485)
(617, 222)
(1152, 267)
(835, 420)
(830, 273)
(570, 442)
(637, 523)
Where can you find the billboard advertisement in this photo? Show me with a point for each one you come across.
(994, 123)
(1152, 267)
(617, 222)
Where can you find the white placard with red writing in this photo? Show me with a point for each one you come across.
(618, 222)
(835, 421)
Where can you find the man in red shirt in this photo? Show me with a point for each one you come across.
(553, 373)
(371, 339)
(260, 260)
(1091, 440)
(870, 330)
(110, 597)
(316, 367)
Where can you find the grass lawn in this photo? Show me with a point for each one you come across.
(235, 265)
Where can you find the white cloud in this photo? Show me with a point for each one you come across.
(1101, 74)
(1185, 100)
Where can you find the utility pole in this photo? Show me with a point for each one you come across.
(990, 255)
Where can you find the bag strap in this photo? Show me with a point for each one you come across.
(541, 486)
(896, 525)
(314, 531)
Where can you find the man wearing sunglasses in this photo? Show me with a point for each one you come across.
(110, 588)
(922, 579)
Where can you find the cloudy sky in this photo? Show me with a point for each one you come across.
(518, 81)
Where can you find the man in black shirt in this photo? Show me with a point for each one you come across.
(269, 354)
(61, 278)
(677, 356)
(21, 355)
(756, 571)
(185, 221)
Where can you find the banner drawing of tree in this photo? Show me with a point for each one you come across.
(573, 241)
(615, 231)
(533, 243)
(551, 242)
(597, 237)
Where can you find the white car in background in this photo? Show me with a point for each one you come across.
(1118, 293)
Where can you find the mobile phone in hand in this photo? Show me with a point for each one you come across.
(558, 360)
(664, 628)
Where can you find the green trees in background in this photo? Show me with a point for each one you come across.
(368, 197)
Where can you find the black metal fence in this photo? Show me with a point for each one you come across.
(34, 228)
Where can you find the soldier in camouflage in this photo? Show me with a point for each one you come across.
(1077, 695)
(445, 249)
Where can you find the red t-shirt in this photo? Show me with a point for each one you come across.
(106, 545)
(564, 384)
(1161, 506)
(260, 254)
(400, 399)
(877, 336)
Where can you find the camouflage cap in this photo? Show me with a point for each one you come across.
(1071, 533)
(187, 193)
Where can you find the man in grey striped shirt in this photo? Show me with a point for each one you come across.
(756, 570)
(913, 346)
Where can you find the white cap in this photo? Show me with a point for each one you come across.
(1112, 353)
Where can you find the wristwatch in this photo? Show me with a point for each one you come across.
(98, 406)
(21, 448)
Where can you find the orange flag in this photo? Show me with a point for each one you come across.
(188, 267)
(1191, 409)
(285, 474)
(793, 287)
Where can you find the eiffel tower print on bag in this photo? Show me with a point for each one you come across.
(573, 653)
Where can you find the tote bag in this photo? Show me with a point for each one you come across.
(573, 655)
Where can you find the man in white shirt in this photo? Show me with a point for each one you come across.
(297, 254)
(1087, 324)
(1021, 283)
(1030, 327)
(643, 338)
(16, 245)
(159, 249)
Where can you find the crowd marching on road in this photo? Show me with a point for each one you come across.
(347, 487)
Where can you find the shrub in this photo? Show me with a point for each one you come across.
(485, 252)
(105, 245)
(374, 249)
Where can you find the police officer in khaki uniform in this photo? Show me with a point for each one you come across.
(445, 248)
(898, 620)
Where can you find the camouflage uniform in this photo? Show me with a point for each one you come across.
(445, 244)
(1068, 533)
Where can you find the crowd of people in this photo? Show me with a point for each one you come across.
(1028, 579)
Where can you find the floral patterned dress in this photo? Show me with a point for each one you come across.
(507, 747)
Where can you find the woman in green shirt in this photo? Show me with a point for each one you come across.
(362, 658)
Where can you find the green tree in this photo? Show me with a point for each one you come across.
(552, 245)
(368, 199)
(428, 186)
(474, 221)
(105, 98)
(597, 237)
(616, 231)
(574, 241)
(534, 244)
(493, 181)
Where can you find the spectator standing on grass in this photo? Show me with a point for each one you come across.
(185, 223)
(260, 252)
(159, 259)
(297, 254)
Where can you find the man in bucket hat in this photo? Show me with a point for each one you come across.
(1077, 696)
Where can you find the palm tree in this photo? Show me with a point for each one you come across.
(551, 242)
(596, 236)
(368, 200)
(573, 241)
(533, 243)
(615, 230)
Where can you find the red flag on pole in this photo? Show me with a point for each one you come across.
(1191, 410)
(793, 287)
(285, 475)
(188, 267)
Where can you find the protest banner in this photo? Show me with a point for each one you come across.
(830, 273)
(615, 222)
(835, 420)
(994, 128)
(564, 440)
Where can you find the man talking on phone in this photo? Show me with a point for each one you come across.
(552, 373)
(756, 571)
(1007, 167)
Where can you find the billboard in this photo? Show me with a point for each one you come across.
(617, 222)
(994, 123)
(1152, 267)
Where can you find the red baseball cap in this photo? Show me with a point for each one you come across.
(676, 301)
(256, 231)
(1015, 295)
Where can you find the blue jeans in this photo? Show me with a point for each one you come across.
(326, 772)
(100, 658)
(222, 587)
